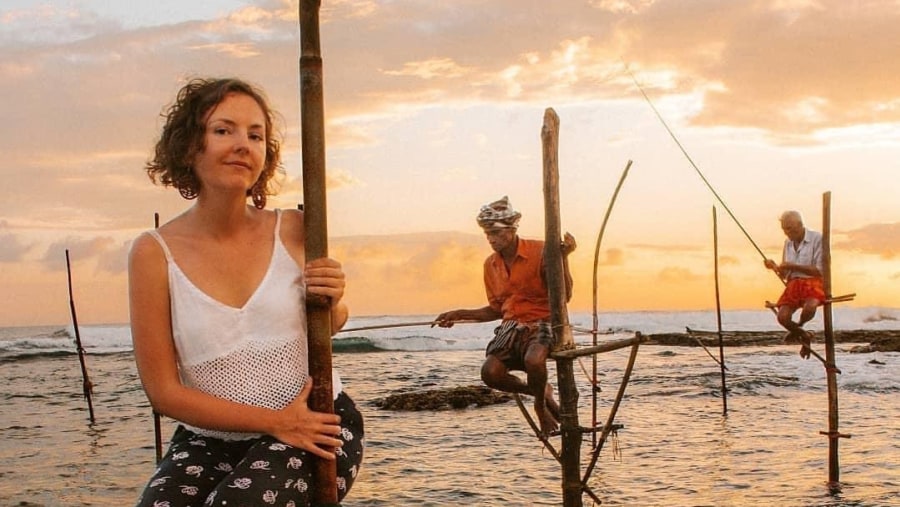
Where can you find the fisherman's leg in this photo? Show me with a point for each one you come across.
(190, 470)
(536, 369)
(496, 375)
(808, 310)
(785, 314)
(545, 406)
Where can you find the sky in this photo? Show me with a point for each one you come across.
(435, 108)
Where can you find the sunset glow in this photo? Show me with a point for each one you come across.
(435, 108)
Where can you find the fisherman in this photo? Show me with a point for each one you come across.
(515, 282)
(801, 270)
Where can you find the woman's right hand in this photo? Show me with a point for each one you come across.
(307, 429)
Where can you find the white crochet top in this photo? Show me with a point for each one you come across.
(257, 354)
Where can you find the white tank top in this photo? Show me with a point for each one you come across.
(257, 354)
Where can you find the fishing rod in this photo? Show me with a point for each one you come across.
(691, 161)
(404, 324)
(389, 326)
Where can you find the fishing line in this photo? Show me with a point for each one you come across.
(689, 159)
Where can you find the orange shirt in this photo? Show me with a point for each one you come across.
(519, 294)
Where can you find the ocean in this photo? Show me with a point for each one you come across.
(676, 447)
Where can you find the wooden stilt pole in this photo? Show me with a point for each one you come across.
(556, 285)
(86, 386)
(833, 434)
(318, 312)
(719, 312)
(157, 422)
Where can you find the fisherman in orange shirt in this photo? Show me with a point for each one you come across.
(514, 279)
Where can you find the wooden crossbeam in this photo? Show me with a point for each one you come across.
(834, 299)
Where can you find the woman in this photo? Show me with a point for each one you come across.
(218, 317)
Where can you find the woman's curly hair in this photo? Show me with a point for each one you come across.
(182, 137)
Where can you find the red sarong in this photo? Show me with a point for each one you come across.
(799, 290)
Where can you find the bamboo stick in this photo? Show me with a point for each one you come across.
(719, 312)
(596, 313)
(547, 444)
(609, 427)
(603, 347)
(556, 285)
(157, 426)
(318, 313)
(86, 386)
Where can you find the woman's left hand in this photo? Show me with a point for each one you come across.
(324, 277)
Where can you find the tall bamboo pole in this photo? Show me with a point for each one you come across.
(86, 386)
(559, 317)
(719, 311)
(596, 312)
(834, 473)
(157, 426)
(318, 313)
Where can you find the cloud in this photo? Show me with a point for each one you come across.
(236, 50)
(783, 67)
(96, 89)
(429, 69)
(674, 274)
(12, 247)
(441, 270)
(878, 239)
(728, 260)
(622, 6)
(613, 257)
(80, 250)
(670, 248)
(114, 260)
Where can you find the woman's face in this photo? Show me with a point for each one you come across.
(234, 145)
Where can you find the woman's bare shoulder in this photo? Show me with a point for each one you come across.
(292, 226)
(145, 246)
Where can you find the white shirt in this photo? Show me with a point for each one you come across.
(807, 253)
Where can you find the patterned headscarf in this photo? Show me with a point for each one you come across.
(498, 215)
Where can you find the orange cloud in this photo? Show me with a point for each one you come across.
(12, 247)
(728, 260)
(879, 239)
(81, 249)
(672, 274)
(613, 257)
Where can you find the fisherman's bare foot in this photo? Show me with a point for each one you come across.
(550, 402)
(549, 423)
(791, 337)
(806, 344)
